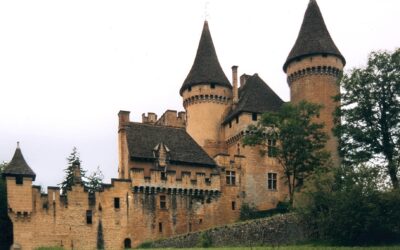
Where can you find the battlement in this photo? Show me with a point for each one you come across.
(168, 182)
(151, 118)
(172, 118)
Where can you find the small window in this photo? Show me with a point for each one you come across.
(254, 116)
(237, 119)
(271, 148)
(190, 89)
(163, 176)
(272, 181)
(200, 221)
(160, 227)
(116, 203)
(230, 178)
(89, 216)
(19, 180)
(212, 85)
(190, 227)
(163, 202)
(233, 205)
(230, 124)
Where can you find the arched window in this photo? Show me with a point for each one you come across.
(127, 243)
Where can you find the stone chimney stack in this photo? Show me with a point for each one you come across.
(235, 85)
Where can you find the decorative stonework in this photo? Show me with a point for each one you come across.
(319, 70)
(206, 98)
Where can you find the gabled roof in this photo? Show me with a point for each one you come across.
(255, 97)
(143, 139)
(206, 67)
(313, 38)
(18, 166)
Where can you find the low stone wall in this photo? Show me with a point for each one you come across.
(276, 230)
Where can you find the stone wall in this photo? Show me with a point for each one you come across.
(276, 230)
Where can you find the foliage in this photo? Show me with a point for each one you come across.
(95, 181)
(300, 141)
(146, 245)
(248, 212)
(351, 209)
(370, 115)
(100, 236)
(6, 235)
(297, 247)
(204, 240)
(68, 181)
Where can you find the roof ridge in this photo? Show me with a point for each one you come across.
(157, 125)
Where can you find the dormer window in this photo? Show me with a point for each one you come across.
(161, 153)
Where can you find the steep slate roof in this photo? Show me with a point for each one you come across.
(255, 97)
(143, 138)
(206, 67)
(18, 166)
(313, 38)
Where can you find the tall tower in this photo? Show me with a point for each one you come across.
(313, 68)
(206, 94)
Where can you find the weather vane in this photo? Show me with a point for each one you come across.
(206, 14)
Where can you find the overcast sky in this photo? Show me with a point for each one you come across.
(68, 67)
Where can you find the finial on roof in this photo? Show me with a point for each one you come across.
(206, 14)
(18, 144)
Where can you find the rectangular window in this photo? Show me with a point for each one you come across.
(271, 148)
(19, 180)
(254, 116)
(233, 205)
(163, 202)
(212, 85)
(230, 124)
(88, 216)
(237, 119)
(230, 178)
(272, 181)
(160, 227)
(116, 202)
(163, 176)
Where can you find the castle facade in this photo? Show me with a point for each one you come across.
(184, 171)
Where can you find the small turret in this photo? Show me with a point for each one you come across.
(19, 177)
(313, 67)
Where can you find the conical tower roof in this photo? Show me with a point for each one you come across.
(206, 67)
(18, 166)
(313, 38)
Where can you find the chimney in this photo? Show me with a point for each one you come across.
(235, 85)
(123, 116)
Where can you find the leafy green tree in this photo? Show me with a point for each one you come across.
(72, 160)
(300, 141)
(95, 181)
(370, 115)
(6, 235)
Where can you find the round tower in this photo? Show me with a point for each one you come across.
(206, 94)
(313, 68)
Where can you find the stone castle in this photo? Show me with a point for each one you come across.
(184, 171)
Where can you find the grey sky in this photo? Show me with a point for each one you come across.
(68, 67)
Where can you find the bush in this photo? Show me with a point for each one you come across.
(353, 210)
(204, 240)
(248, 212)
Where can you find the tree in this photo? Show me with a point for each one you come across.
(295, 139)
(370, 115)
(73, 159)
(95, 181)
(6, 236)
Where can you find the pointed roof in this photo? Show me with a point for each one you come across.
(255, 96)
(206, 67)
(313, 38)
(18, 166)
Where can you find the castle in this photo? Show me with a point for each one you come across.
(184, 171)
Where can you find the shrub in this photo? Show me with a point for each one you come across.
(204, 240)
